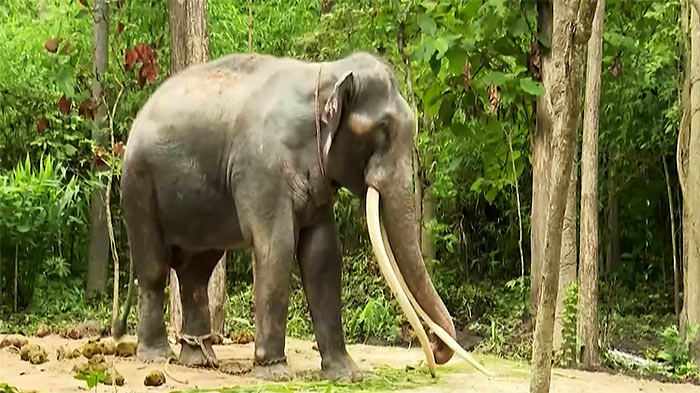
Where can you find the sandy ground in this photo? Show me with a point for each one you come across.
(509, 377)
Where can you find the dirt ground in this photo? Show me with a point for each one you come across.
(509, 377)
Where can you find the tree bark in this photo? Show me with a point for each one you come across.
(682, 162)
(693, 185)
(674, 246)
(612, 251)
(567, 269)
(99, 239)
(189, 44)
(570, 33)
(540, 165)
(588, 295)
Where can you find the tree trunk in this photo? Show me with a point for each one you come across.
(693, 185)
(567, 270)
(674, 246)
(612, 250)
(540, 166)
(588, 298)
(189, 45)
(682, 162)
(570, 33)
(99, 239)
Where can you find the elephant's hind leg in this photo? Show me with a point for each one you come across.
(193, 276)
(151, 265)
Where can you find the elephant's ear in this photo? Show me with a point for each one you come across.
(334, 108)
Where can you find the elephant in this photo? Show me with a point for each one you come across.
(248, 151)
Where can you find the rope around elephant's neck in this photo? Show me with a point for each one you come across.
(317, 119)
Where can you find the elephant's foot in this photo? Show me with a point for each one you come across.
(193, 355)
(341, 368)
(278, 372)
(158, 353)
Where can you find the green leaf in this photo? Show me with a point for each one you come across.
(427, 24)
(460, 129)
(441, 45)
(471, 8)
(65, 81)
(519, 27)
(447, 109)
(81, 14)
(532, 87)
(456, 58)
(69, 149)
(495, 77)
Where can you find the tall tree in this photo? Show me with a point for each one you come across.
(571, 30)
(540, 158)
(588, 298)
(569, 257)
(189, 44)
(692, 288)
(99, 237)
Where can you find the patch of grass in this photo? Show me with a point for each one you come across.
(382, 379)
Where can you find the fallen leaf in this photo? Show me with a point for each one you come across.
(130, 57)
(118, 149)
(148, 73)
(120, 27)
(64, 105)
(52, 44)
(85, 109)
(41, 124)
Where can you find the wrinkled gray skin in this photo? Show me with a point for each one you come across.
(224, 156)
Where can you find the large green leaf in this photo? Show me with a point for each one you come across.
(532, 87)
(456, 58)
(494, 77)
(427, 24)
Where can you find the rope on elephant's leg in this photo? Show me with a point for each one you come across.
(198, 341)
(165, 371)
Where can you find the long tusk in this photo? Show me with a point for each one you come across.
(437, 329)
(380, 253)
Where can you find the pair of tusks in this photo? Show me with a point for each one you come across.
(409, 305)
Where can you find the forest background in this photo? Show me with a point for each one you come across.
(473, 70)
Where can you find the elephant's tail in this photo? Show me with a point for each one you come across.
(119, 322)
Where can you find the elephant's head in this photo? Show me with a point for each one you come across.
(368, 132)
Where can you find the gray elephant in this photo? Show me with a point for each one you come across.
(248, 151)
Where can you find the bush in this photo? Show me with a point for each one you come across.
(41, 216)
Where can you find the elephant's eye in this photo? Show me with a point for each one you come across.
(385, 131)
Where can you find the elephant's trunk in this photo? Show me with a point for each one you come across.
(398, 215)
(409, 279)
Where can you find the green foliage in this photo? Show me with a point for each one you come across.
(5, 388)
(92, 378)
(568, 352)
(40, 207)
(675, 351)
(383, 379)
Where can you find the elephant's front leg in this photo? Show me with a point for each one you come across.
(320, 262)
(274, 256)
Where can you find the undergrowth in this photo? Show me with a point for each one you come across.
(380, 379)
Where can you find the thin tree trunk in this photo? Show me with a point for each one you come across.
(674, 246)
(570, 33)
(588, 298)
(569, 256)
(99, 239)
(693, 184)
(541, 163)
(682, 162)
(612, 250)
(189, 44)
